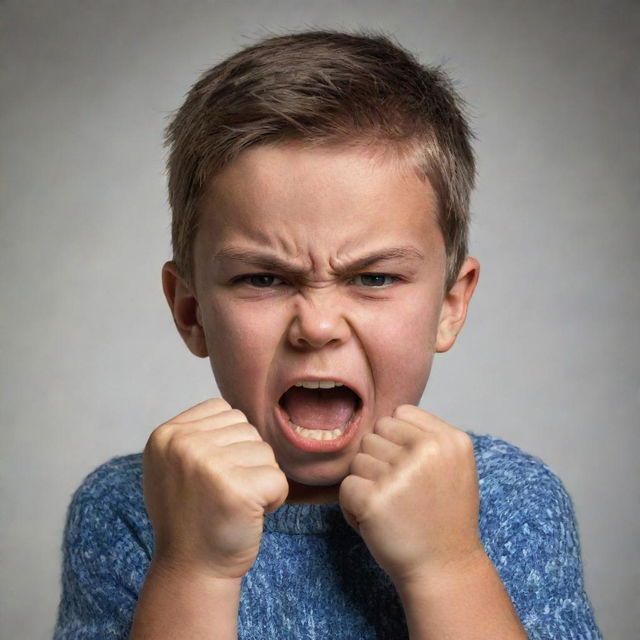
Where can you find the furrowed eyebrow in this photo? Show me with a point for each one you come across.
(395, 253)
(271, 262)
(257, 259)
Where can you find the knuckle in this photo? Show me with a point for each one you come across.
(464, 442)
(383, 424)
(159, 437)
(164, 431)
(237, 416)
(266, 449)
(279, 477)
(280, 482)
(253, 433)
(368, 438)
(243, 431)
(219, 404)
(463, 438)
(427, 447)
(403, 411)
(346, 491)
(278, 474)
(355, 462)
(179, 446)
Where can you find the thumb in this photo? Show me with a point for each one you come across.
(275, 488)
(345, 499)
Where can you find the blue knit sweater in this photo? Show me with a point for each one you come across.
(314, 578)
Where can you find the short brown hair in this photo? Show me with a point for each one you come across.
(322, 87)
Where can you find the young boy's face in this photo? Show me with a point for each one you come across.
(319, 265)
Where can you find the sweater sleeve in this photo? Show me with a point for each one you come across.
(106, 552)
(536, 550)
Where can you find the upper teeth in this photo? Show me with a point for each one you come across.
(318, 384)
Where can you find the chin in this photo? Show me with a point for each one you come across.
(317, 476)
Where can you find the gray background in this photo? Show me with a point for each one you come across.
(91, 362)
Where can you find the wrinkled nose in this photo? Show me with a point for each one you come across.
(318, 320)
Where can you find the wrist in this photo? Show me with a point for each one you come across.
(459, 599)
(177, 571)
(179, 601)
(438, 578)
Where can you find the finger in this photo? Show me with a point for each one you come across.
(248, 454)
(354, 495)
(368, 467)
(421, 418)
(379, 447)
(169, 433)
(239, 432)
(269, 485)
(400, 432)
(209, 407)
(218, 421)
(210, 422)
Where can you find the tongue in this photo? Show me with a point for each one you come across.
(319, 408)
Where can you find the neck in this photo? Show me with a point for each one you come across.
(308, 494)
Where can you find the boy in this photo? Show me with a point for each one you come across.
(320, 187)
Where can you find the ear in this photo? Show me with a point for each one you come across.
(455, 304)
(185, 309)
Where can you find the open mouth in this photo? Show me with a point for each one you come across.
(321, 414)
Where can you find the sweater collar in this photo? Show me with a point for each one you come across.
(306, 519)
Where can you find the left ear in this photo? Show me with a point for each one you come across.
(455, 304)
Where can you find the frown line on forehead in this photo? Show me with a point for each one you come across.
(270, 261)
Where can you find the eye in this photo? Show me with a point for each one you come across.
(259, 280)
(374, 280)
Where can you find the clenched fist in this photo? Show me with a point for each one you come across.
(209, 479)
(412, 494)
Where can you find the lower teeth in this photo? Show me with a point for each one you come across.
(319, 434)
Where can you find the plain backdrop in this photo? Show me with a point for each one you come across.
(90, 359)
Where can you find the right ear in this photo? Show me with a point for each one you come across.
(185, 309)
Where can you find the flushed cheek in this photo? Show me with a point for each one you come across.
(402, 381)
(240, 349)
(401, 362)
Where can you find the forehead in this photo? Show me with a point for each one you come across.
(310, 202)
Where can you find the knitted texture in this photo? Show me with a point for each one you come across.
(314, 577)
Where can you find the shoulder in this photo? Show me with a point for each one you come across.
(502, 466)
(108, 506)
(119, 472)
(115, 484)
(107, 546)
(528, 527)
(517, 489)
(494, 453)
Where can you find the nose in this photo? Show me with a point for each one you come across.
(318, 321)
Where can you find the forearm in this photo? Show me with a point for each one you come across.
(186, 604)
(467, 602)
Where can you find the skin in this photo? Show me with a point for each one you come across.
(382, 338)
(407, 482)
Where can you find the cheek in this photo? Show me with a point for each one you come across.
(402, 357)
(407, 358)
(239, 341)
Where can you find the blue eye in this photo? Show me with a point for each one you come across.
(259, 280)
(374, 279)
